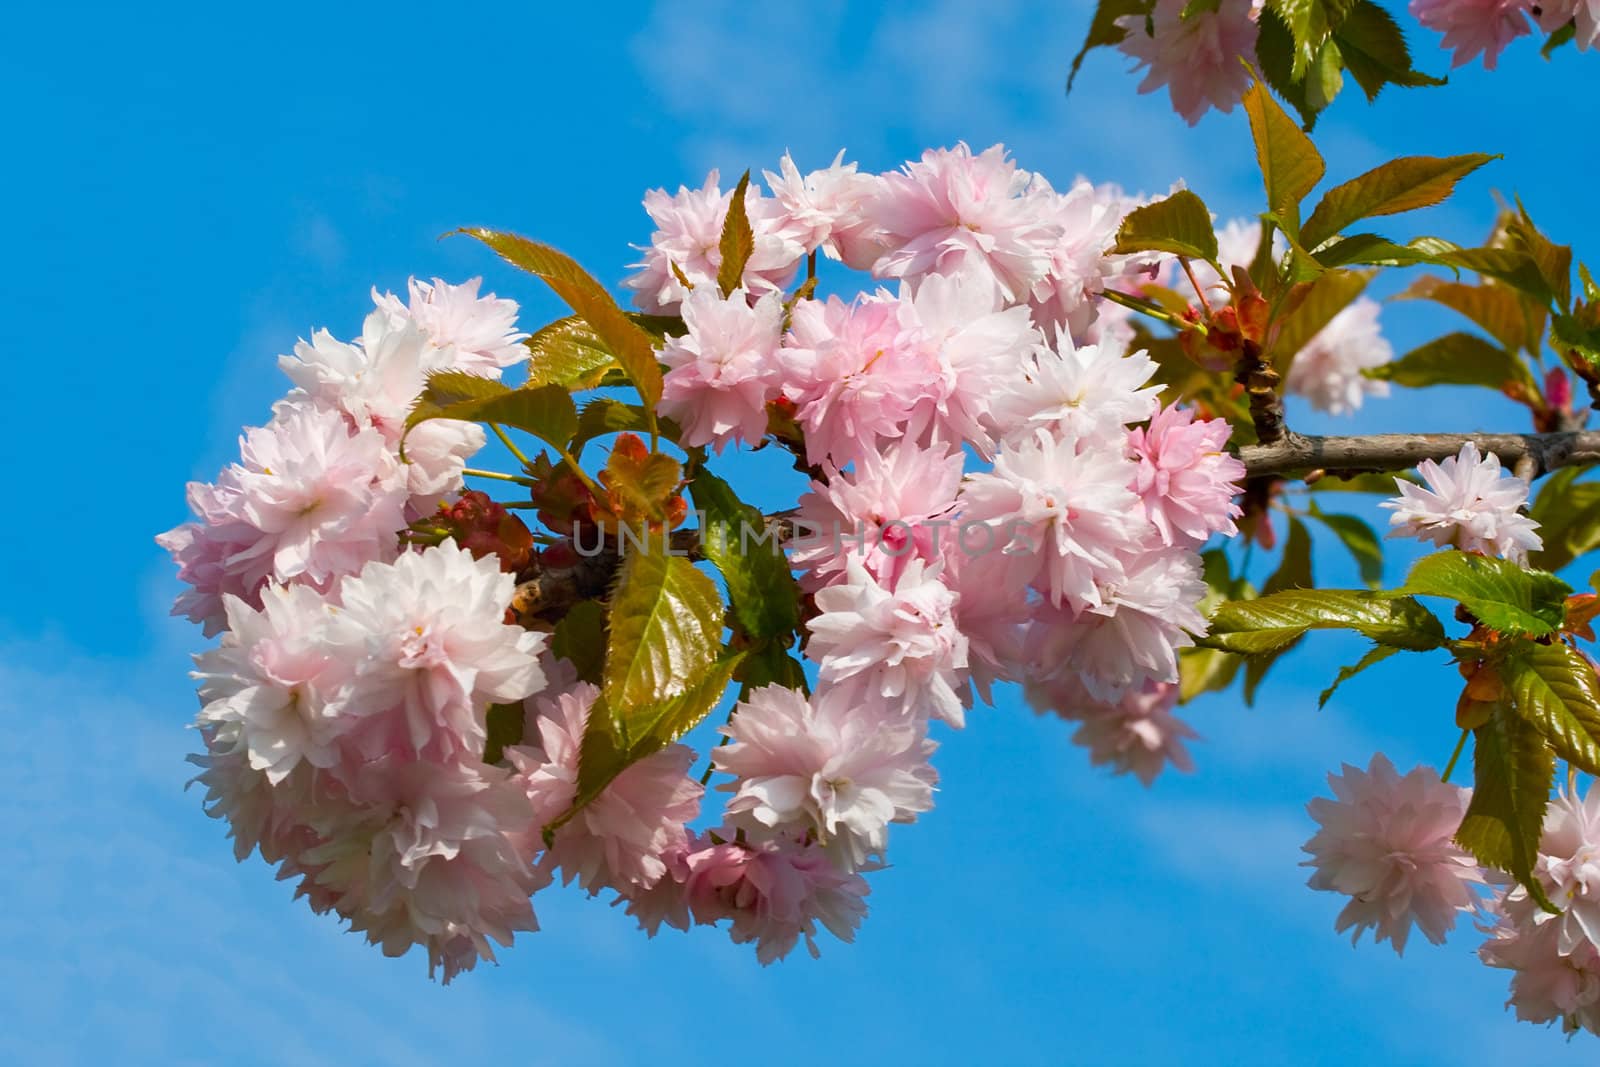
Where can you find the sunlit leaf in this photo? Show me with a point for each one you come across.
(1503, 595)
(1399, 185)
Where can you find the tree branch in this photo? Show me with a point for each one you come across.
(1529, 454)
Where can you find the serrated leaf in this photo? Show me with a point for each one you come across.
(641, 484)
(1205, 670)
(580, 638)
(1554, 261)
(1271, 622)
(1309, 24)
(1375, 654)
(1290, 164)
(1503, 595)
(1494, 308)
(1512, 770)
(1275, 52)
(1358, 539)
(629, 342)
(1294, 570)
(1180, 224)
(735, 538)
(1399, 185)
(666, 629)
(604, 416)
(737, 242)
(1512, 266)
(1256, 668)
(1375, 51)
(1104, 31)
(1568, 514)
(1329, 294)
(1454, 359)
(546, 412)
(1553, 687)
(568, 353)
(1368, 249)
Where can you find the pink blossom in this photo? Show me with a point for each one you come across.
(990, 612)
(1568, 869)
(1329, 370)
(724, 370)
(1551, 15)
(480, 331)
(1186, 481)
(825, 767)
(1474, 27)
(851, 375)
(1195, 55)
(772, 892)
(430, 854)
(309, 501)
(624, 837)
(1145, 614)
(892, 507)
(266, 688)
(434, 651)
(1547, 984)
(1063, 514)
(688, 237)
(1386, 842)
(954, 212)
(1092, 391)
(1237, 243)
(1137, 734)
(1064, 300)
(1468, 503)
(826, 209)
(894, 648)
(973, 351)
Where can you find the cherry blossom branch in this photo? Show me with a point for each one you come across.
(1529, 454)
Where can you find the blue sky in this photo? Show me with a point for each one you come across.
(190, 191)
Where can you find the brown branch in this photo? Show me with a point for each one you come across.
(1529, 454)
(1261, 380)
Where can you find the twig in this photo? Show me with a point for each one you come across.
(1532, 453)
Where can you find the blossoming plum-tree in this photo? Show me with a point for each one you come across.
(1022, 461)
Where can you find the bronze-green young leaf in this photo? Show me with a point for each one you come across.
(1399, 185)
(1568, 514)
(737, 242)
(735, 537)
(1553, 687)
(1497, 310)
(1328, 295)
(627, 340)
(1455, 359)
(1513, 768)
(1502, 595)
(666, 630)
(1290, 164)
(546, 412)
(1180, 224)
(570, 354)
(1271, 622)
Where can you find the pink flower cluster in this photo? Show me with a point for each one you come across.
(1468, 503)
(1474, 28)
(1385, 841)
(321, 489)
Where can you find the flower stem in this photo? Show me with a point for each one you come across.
(505, 439)
(473, 472)
(1461, 743)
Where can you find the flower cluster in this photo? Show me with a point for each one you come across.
(1474, 28)
(1385, 841)
(999, 494)
(1468, 503)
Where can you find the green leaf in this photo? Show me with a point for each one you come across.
(1103, 29)
(1310, 23)
(1326, 76)
(1294, 571)
(1454, 359)
(1205, 670)
(1375, 51)
(1553, 687)
(570, 354)
(1369, 249)
(1503, 595)
(603, 416)
(734, 536)
(504, 727)
(1330, 294)
(769, 663)
(1359, 539)
(1180, 224)
(1494, 308)
(1366, 482)
(1513, 769)
(1399, 185)
(1554, 261)
(1271, 622)
(1275, 52)
(666, 630)
(626, 339)
(1560, 37)
(1512, 266)
(580, 638)
(546, 412)
(1290, 164)
(1256, 668)
(1568, 514)
(738, 240)
(1375, 654)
